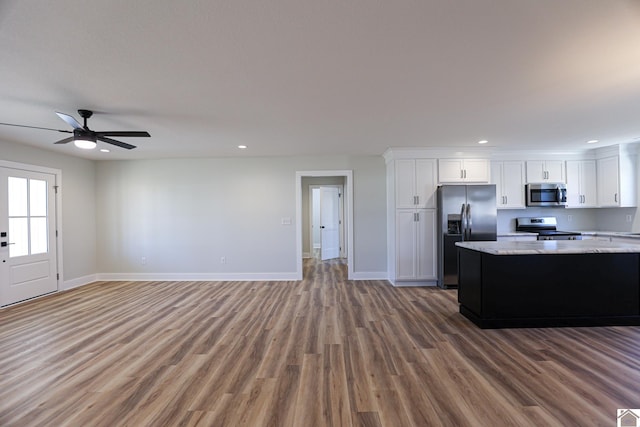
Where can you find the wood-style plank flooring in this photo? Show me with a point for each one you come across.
(321, 352)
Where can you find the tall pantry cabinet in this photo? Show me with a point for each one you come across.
(411, 216)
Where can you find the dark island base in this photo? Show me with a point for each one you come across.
(549, 322)
(551, 290)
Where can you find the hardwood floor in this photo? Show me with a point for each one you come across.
(321, 352)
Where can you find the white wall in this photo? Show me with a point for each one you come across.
(183, 215)
(78, 204)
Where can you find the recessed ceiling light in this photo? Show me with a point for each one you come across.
(104, 150)
(592, 141)
(242, 147)
(484, 141)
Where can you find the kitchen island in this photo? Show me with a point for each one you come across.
(549, 283)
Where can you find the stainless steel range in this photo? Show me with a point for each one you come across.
(545, 226)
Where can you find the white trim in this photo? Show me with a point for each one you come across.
(408, 284)
(78, 282)
(348, 202)
(200, 277)
(57, 173)
(370, 275)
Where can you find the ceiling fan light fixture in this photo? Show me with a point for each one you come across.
(85, 144)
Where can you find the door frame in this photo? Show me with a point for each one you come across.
(340, 187)
(348, 214)
(58, 208)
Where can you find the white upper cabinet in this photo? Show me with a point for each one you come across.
(463, 170)
(545, 171)
(608, 182)
(508, 176)
(616, 176)
(415, 183)
(581, 184)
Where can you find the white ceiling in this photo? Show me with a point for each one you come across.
(314, 77)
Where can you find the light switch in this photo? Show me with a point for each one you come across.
(286, 220)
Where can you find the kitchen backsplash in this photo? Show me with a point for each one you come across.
(602, 219)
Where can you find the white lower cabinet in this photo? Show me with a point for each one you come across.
(415, 244)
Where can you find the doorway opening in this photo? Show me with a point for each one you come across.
(332, 194)
(326, 220)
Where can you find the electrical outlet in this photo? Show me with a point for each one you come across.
(143, 260)
(569, 218)
(628, 218)
(223, 260)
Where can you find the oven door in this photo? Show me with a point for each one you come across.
(546, 195)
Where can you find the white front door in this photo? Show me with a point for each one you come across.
(329, 222)
(28, 264)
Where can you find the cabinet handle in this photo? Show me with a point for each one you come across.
(615, 197)
(461, 173)
(506, 199)
(465, 173)
(417, 200)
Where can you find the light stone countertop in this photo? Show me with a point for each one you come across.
(611, 234)
(540, 247)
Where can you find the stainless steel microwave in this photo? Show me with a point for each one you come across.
(548, 194)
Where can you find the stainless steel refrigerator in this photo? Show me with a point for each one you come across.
(465, 213)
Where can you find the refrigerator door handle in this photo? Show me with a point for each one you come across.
(463, 222)
(469, 221)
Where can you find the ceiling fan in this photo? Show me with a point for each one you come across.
(83, 137)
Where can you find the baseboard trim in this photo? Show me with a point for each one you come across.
(407, 284)
(200, 277)
(369, 275)
(210, 277)
(78, 282)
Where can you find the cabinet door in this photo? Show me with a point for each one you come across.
(475, 170)
(405, 183)
(406, 253)
(535, 171)
(588, 184)
(574, 190)
(555, 170)
(426, 183)
(513, 184)
(608, 181)
(496, 178)
(545, 171)
(450, 170)
(426, 244)
(509, 179)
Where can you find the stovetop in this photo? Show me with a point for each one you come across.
(545, 226)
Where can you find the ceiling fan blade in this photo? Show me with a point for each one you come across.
(65, 141)
(114, 142)
(70, 120)
(36, 127)
(123, 133)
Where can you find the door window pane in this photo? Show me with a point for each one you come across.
(37, 197)
(17, 196)
(19, 237)
(39, 236)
